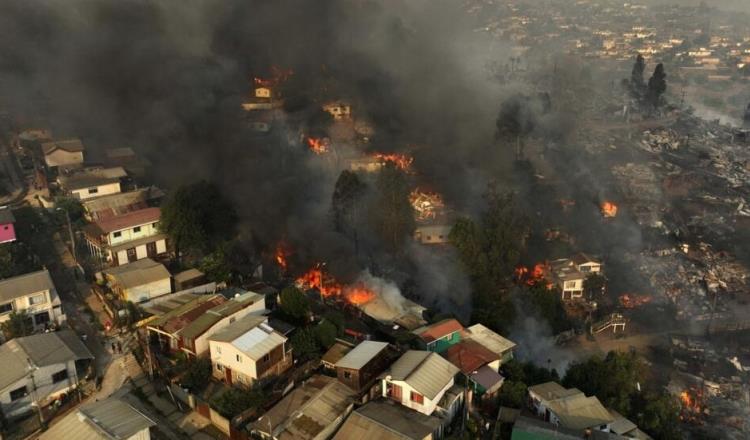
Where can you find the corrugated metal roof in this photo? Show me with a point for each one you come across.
(489, 339)
(238, 328)
(108, 419)
(438, 330)
(41, 350)
(22, 285)
(335, 353)
(572, 407)
(385, 420)
(361, 354)
(424, 371)
(129, 220)
(216, 314)
(138, 273)
(470, 355)
(258, 342)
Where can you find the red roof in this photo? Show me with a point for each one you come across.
(129, 220)
(181, 321)
(469, 356)
(440, 329)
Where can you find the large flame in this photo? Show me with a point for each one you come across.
(533, 276)
(318, 280)
(609, 209)
(401, 161)
(426, 204)
(317, 145)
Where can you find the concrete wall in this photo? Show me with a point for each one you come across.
(148, 291)
(101, 190)
(129, 234)
(226, 355)
(46, 390)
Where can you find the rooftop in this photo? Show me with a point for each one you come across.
(91, 177)
(361, 354)
(22, 285)
(386, 420)
(438, 330)
(138, 273)
(180, 317)
(469, 355)
(425, 371)
(108, 419)
(251, 335)
(336, 352)
(113, 205)
(18, 355)
(71, 145)
(489, 339)
(572, 407)
(125, 221)
(217, 313)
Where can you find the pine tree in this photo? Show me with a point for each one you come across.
(657, 85)
(636, 76)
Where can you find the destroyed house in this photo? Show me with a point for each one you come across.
(248, 350)
(439, 336)
(359, 368)
(92, 182)
(63, 153)
(569, 408)
(127, 238)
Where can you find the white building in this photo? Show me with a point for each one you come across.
(92, 182)
(63, 153)
(569, 408)
(419, 380)
(248, 350)
(37, 369)
(570, 274)
(140, 281)
(127, 238)
(33, 293)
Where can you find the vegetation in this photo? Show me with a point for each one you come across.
(18, 324)
(519, 376)
(216, 266)
(594, 286)
(347, 196)
(16, 259)
(234, 401)
(294, 304)
(636, 76)
(613, 379)
(392, 213)
(490, 249)
(546, 303)
(657, 85)
(326, 333)
(305, 344)
(197, 375)
(74, 209)
(516, 121)
(197, 217)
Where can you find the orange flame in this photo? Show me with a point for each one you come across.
(532, 277)
(401, 161)
(278, 76)
(317, 145)
(281, 254)
(632, 301)
(316, 279)
(426, 204)
(609, 209)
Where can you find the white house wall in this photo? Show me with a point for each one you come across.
(147, 291)
(226, 354)
(427, 407)
(102, 190)
(45, 389)
(201, 342)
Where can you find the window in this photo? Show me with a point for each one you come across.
(37, 299)
(6, 308)
(347, 375)
(137, 229)
(219, 367)
(155, 225)
(570, 284)
(218, 349)
(93, 190)
(117, 234)
(417, 398)
(585, 269)
(60, 376)
(18, 393)
(267, 357)
(239, 359)
(41, 318)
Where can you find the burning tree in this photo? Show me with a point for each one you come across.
(400, 161)
(426, 204)
(609, 209)
(318, 145)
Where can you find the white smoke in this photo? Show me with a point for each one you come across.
(386, 290)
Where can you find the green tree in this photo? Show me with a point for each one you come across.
(325, 333)
(74, 209)
(513, 394)
(612, 379)
(295, 304)
(216, 266)
(347, 195)
(197, 217)
(636, 75)
(392, 212)
(197, 375)
(305, 344)
(16, 259)
(234, 401)
(657, 85)
(659, 415)
(547, 303)
(19, 324)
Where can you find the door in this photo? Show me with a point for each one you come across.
(151, 249)
(396, 392)
(228, 375)
(132, 255)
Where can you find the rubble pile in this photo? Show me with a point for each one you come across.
(660, 140)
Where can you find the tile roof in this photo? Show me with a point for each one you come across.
(386, 420)
(469, 355)
(438, 330)
(108, 419)
(425, 371)
(22, 285)
(129, 220)
(361, 354)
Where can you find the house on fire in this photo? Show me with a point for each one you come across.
(569, 274)
(312, 411)
(424, 382)
(92, 182)
(7, 231)
(37, 369)
(248, 350)
(127, 238)
(359, 368)
(63, 153)
(33, 293)
(140, 281)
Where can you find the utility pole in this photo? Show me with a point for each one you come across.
(72, 237)
(34, 401)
